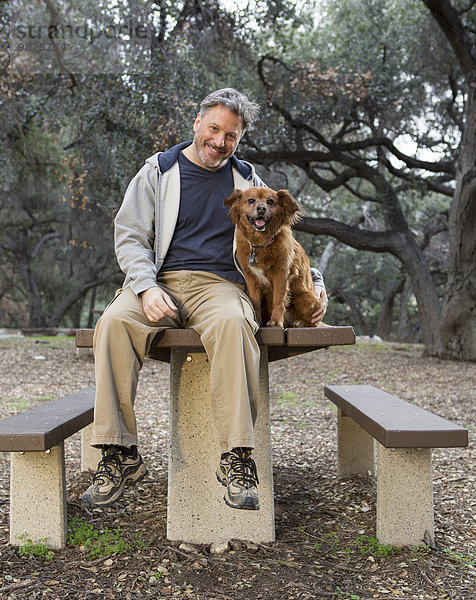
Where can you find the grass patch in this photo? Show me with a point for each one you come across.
(363, 545)
(38, 549)
(50, 338)
(100, 543)
(466, 561)
(349, 596)
(288, 398)
(22, 404)
(371, 546)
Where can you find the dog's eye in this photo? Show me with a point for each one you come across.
(270, 202)
(251, 200)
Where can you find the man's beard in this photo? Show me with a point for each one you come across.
(210, 164)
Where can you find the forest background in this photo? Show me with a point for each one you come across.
(368, 118)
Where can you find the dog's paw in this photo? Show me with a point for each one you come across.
(274, 323)
(300, 323)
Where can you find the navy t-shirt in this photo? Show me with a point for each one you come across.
(203, 237)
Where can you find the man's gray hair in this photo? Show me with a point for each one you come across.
(238, 103)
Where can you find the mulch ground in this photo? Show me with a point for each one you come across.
(324, 525)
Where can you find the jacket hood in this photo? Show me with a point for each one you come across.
(165, 160)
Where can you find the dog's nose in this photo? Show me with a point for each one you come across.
(261, 208)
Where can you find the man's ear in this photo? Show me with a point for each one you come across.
(292, 210)
(196, 123)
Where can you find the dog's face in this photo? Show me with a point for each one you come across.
(262, 209)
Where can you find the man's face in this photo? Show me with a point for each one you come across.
(216, 138)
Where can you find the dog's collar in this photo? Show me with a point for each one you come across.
(252, 254)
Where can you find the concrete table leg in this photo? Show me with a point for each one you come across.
(90, 456)
(38, 497)
(404, 496)
(355, 448)
(196, 511)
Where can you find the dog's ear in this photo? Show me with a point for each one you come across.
(231, 201)
(236, 195)
(292, 210)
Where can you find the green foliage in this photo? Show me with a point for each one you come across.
(347, 595)
(466, 561)
(420, 551)
(21, 404)
(287, 398)
(38, 549)
(371, 546)
(363, 544)
(101, 543)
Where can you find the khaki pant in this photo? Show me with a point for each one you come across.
(221, 313)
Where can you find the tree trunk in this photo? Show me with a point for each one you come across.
(429, 309)
(403, 335)
(458, 327)
(92, 304)
(458, 330)
(352, 303)
(35, 305)
(74, 296)
(385, 318)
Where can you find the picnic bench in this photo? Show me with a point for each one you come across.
(195, 511)
(35, 440)
(406, 435)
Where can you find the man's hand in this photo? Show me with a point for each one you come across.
(157, 304)
(319, 315)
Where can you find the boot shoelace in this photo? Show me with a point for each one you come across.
(109, 462)
(243, 470)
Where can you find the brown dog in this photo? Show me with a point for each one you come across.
(275, 266)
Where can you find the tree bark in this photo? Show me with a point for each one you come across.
(385, 318)
(35, 305)
(458, 329)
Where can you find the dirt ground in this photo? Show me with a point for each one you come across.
(324, 525)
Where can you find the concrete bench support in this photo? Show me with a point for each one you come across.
(355, 448)
(404, 496)
(196, 512)
(38, 497)
(90, 456)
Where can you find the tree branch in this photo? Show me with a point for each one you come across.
(361, 239)
(450, 22)
(54, 22)
(339, 150)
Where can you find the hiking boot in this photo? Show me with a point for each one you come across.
(117, 468)
(237, 472)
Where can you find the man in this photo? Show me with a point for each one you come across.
(174, 242)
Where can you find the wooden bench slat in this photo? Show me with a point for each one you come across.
(177, 338)
(282, 343)
(393, 422)
(320, 336)
(47, 425)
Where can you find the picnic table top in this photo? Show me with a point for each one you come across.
(281, 343)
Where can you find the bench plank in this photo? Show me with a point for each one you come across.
(320, 337)
(393, 422)
(282, 343)
(47, 425)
